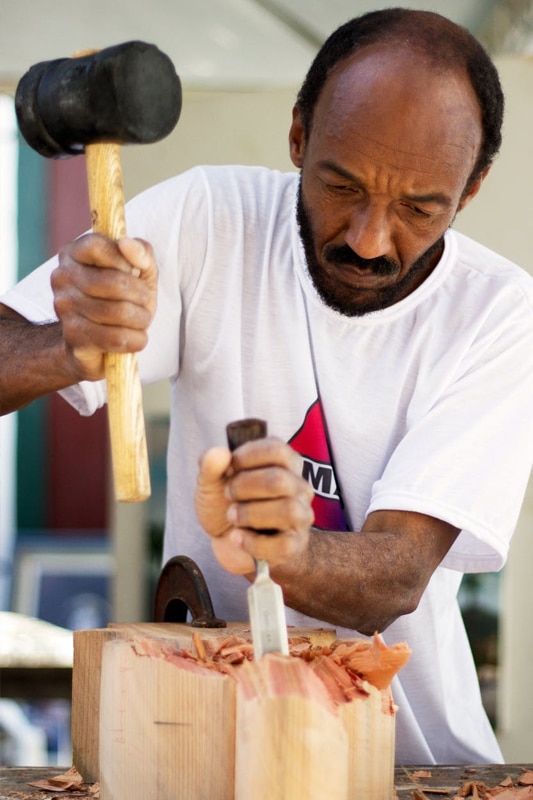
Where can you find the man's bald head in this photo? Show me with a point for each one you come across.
(439, 43)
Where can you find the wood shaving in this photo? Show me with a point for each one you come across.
(506, 790)
(70, 781)
(475, 790)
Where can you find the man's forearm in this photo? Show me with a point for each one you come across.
(32, 362)
(364, 581)
(347, 579)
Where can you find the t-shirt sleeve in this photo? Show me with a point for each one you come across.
(467, 459)
(32, 296)
(171, 217)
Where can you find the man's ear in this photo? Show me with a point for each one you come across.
(297, 139)
(473, 190)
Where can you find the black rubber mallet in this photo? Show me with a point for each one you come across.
(94, 103)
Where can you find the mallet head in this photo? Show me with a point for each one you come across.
(128, 94)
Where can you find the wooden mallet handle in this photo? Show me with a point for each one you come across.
(124, 396)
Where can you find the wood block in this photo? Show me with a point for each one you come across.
(290, 742)
(370, 725)
(85, 717)
(166, 733)
(88, 645)
(164, 711)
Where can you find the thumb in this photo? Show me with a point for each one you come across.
(210, 504)
(214, 463)
(138, 253)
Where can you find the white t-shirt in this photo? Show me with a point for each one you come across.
(423, 406)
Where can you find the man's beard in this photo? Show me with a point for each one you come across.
(342, 298)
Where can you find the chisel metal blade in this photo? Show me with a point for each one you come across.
(267, 614)
(265, 597)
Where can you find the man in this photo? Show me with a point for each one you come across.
(393, 354)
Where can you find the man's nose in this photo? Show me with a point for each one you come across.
(369, 231)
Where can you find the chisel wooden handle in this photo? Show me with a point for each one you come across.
(124, 397)
(246, 430)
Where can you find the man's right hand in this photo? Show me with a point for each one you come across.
(105, 297)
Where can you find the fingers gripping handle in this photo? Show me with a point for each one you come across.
(129, 452)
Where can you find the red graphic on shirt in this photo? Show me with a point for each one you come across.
(312, 444)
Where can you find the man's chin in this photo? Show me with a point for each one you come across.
(350, 302)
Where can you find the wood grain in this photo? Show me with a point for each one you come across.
(165, 733)
(86, 676)
(151, 722)
(290, 741)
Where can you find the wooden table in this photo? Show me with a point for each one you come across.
(445, 781)
(450, 778)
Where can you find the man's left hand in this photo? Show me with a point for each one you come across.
(258, 486)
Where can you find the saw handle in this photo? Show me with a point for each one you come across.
(129, 451)
(247, 430)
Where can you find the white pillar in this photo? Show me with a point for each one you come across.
(515, 697)
(8, 271)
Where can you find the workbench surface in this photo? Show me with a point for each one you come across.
(444, 781)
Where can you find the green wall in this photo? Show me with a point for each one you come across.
(32, 244)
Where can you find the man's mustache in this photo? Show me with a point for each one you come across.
(345, 256)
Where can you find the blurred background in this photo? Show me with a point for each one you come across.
(70, 557)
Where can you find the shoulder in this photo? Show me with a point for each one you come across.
(228, 180)
(210, 198)
(490, 270)
(482, 289)
(490, 299)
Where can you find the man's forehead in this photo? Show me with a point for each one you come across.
(380, 75)
(401, 107)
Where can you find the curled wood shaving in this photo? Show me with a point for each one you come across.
(199, 646)
(474, 789)
(359, 660)
(70, 781)
(506, 790)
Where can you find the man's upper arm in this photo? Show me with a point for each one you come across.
(422, 539)
(9, 313)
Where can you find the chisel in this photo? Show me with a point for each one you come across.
(265, 598)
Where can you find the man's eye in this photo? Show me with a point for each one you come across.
(419, 212)
(342, 188)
